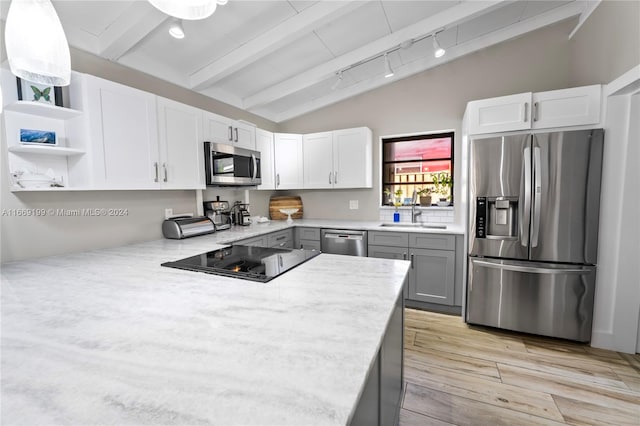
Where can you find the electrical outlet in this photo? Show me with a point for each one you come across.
(353, 204)
(168, 213)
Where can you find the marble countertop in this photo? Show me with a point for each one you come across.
(111, 337)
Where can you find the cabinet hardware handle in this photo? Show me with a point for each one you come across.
(411, 260)
(230, 134)
(277, 179)
(526, 110)
(282, 244)
(166, 177)
(155, 165)
(282, 237)
(280, 259)
(330, 178)
(335, 178)
(236, 130)
(535, 111)
(404, 256)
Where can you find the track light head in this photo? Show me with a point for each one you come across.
(438, 51)
(388, 72)
(176, 30)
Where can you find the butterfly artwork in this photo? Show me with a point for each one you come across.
(44, 93)
(33, 92)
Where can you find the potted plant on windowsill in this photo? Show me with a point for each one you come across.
(425, 196)
(443, 184)
(398, 194)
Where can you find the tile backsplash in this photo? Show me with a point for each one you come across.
(429, 214)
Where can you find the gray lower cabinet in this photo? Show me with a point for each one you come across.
(432, 276)
(435, 276)
(282, 239)
(255, 241)
(381, 397)
(307, 238)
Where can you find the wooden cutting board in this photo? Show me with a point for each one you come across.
(284, 202)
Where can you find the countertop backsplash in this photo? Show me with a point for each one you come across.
(429, 214)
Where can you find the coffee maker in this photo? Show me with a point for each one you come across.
(242, 213)
(219, 212)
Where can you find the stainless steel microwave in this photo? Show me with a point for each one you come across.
(226, 165)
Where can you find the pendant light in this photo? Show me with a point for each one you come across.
(438, 51)
(388, 72)
(186, 9)
(37, 48)
(176, 29)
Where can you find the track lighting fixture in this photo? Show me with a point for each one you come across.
(388, 72)
(338, 81)
(176, 29)
(438, 51)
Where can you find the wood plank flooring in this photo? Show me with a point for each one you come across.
(466, 375)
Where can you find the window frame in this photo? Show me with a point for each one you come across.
(413, 137)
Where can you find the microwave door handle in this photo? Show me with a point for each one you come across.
(526, 212)
(537, 195)
(255, 167)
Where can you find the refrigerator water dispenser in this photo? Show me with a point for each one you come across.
(497, 217)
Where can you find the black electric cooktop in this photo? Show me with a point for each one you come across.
(246, 262)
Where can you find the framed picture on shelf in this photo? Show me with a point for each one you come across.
(34, 92)
(38, 137)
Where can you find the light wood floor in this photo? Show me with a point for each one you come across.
(461, 375)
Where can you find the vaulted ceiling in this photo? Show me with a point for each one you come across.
(281, 59)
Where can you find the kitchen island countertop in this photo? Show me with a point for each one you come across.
(111, 337)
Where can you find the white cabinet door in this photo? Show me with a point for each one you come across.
(123, 121)
(264, 144)
(217, 128)
(180, 134)
(288, 161)
(318, 160)
(353, 158)
(567, 107)
(224, 130)
(244, 135)
(503, 114)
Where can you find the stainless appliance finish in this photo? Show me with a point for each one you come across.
(342, 241)
(219, 212)
(178, 228)
(533, 229)
(226, 165)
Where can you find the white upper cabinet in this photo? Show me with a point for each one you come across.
(264, 144)
(318, 160)
(123, 128)
(181, 145)
(224, 130)
(567, 107)
(577, 106)
(338, 159)
(503, 114)
(353, 158)
(288, 160)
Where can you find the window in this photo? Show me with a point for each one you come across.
(420, 162)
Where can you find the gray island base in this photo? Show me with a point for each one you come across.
(110, 337)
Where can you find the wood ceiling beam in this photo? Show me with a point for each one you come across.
(288, 31)
(515, 30)
(140, 19)
(453, 16)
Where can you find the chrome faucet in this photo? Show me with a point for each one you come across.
(414, 213)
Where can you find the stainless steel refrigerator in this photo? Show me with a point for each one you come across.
(534, 203)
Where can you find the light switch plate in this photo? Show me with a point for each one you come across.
(353, 204)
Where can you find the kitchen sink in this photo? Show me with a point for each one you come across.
(413, 225)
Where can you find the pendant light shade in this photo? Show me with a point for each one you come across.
(37, 48)
(186, 9)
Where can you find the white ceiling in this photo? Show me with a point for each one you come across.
(279, 59)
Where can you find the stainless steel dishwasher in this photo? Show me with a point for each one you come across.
(342, 241)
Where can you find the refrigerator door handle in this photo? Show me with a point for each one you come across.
(530, 269)
(537, 194)
(526, 212)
